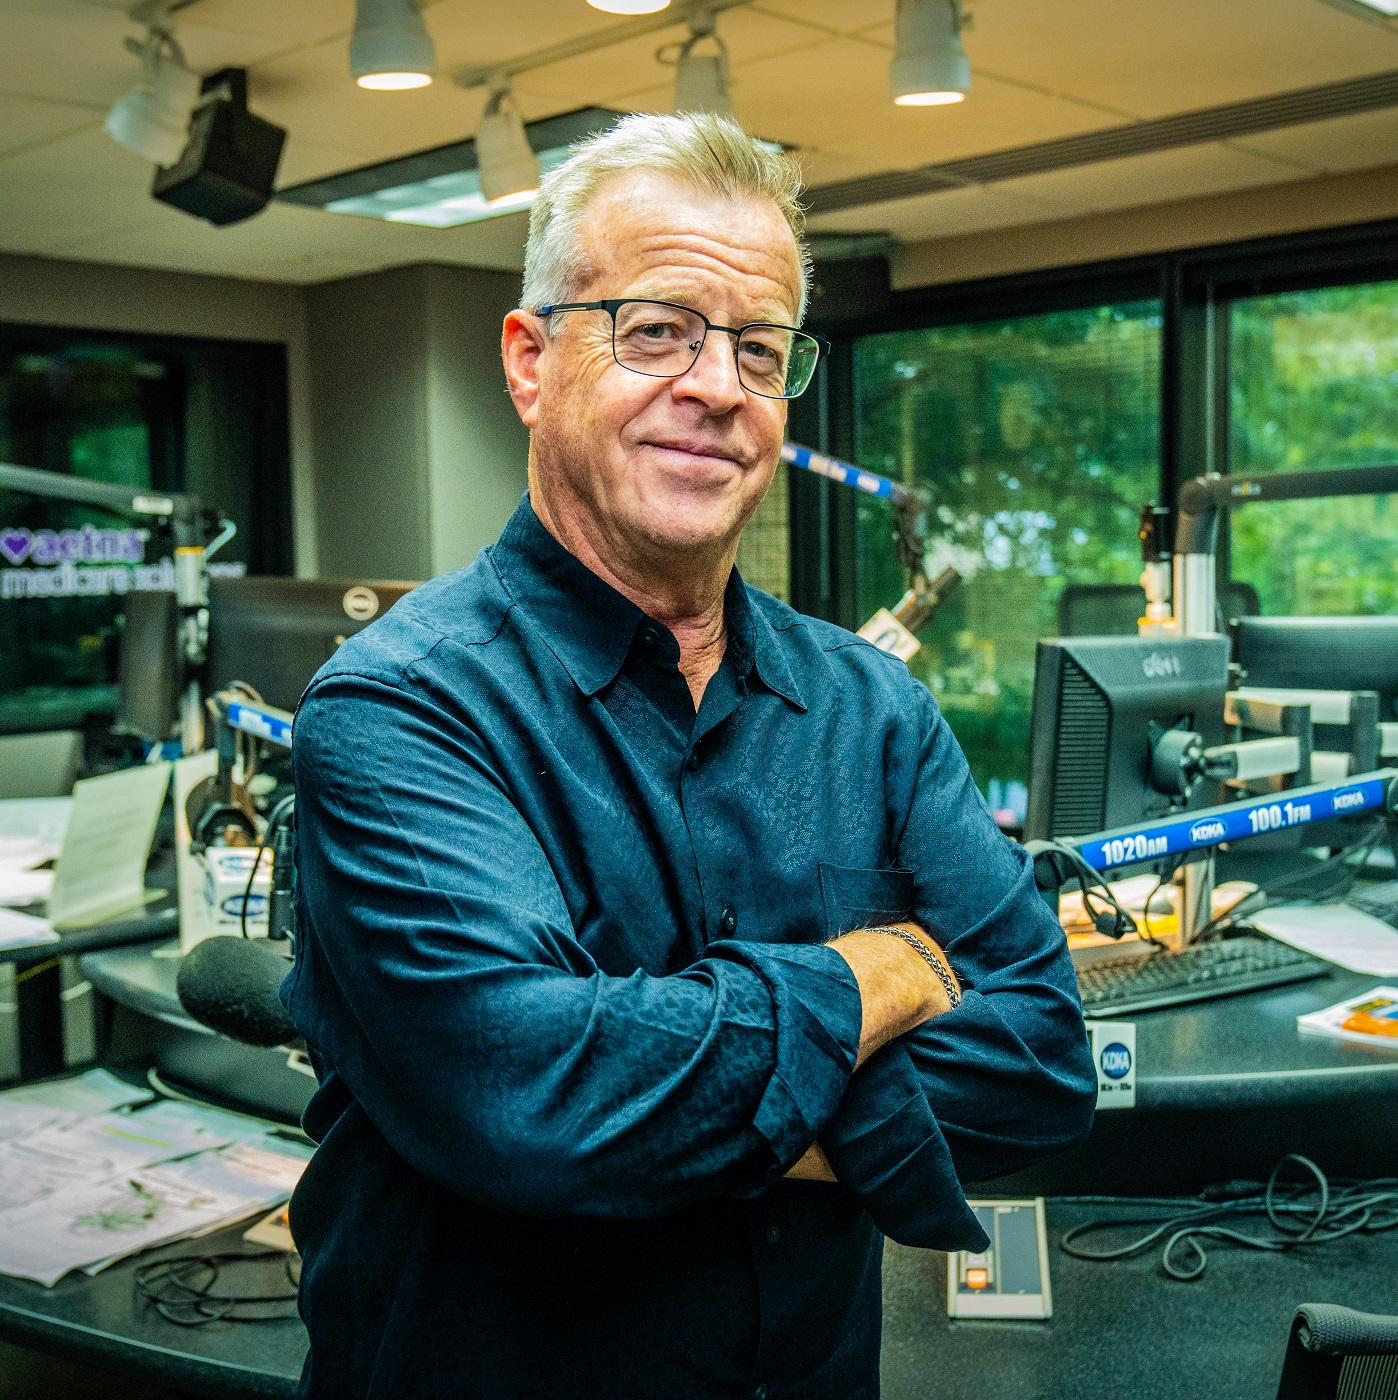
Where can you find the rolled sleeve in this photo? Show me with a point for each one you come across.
(1006, 1077)
(818, 1021)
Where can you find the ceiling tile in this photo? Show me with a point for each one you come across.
(841, 105)
(70, 187)
(1347, 143)
(833, 16)
(291, 244)
(26, 120)
(938, 216)
(1155, 59)
(1149, 179)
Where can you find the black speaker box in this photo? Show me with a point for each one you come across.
(229, 165)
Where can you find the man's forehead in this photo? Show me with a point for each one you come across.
(668, 240)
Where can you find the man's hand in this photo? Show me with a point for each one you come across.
(898, 991)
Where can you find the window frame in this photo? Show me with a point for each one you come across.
(1195, 287)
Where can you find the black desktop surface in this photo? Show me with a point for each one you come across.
(1123, 1331)
(1118, 1330)
(102, 1321)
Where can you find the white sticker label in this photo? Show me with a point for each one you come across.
(1114, 1054)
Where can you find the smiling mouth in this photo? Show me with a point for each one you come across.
(698, 452)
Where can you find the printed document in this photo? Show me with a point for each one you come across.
(101, 869)
(1340, 934)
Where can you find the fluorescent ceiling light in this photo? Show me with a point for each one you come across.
(441, 188)
(391, 49)
(444, 201)
(629, 7)
(929, 66)
(1384, 7)
(152, 119)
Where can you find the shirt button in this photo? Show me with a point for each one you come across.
(692, 762)
(760, 1393)
(727, 921)
(774, 1233)
(650, 638)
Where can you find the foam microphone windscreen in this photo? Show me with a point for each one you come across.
(230, 985)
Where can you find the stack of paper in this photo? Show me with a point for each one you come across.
(1339, 933)
(21, 882)
(58, 1101)
(84, 1183)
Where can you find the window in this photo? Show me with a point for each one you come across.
(1313, 382)
(1038, 438)
(199, 416)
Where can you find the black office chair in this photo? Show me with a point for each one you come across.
(1335, 1353)
(1112, 609)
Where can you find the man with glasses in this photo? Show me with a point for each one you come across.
(656, 950)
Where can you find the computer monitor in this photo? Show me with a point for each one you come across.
(1322, 653)
(148, 703)
(1100, 705)
(274, 634)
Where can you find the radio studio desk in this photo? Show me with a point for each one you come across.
(1224, 1089)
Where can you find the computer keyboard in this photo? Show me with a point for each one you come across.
(1379, 900)
(1146, 982)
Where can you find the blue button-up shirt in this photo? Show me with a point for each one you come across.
(562, 969)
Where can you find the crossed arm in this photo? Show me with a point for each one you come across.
(498, 1059)
(898, 991)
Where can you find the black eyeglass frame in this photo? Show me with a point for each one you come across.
(611, 305)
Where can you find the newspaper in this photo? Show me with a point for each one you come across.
(92, 1224)
(91, 1172)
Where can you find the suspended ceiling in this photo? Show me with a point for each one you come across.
(810, 73)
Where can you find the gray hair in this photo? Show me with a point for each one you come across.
(709, 153)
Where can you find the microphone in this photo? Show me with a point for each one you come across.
(230, 985)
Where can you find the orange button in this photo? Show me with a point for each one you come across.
(977, 1278)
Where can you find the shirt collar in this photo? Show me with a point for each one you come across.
(591, 627)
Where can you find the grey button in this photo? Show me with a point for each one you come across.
(774, 1233)
(727, 921)
(692, 762)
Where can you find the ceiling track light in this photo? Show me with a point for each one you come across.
(929, 66)
(701, 79)
(505, 161)
(391, 50)
(630, 7)
(152, 119)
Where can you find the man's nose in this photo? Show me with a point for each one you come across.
(713, 377)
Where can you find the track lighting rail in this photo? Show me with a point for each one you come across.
(494, 75)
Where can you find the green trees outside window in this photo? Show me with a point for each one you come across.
(1039, 438)
(1313, 382)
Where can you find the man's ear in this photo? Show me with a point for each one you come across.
(522, 344)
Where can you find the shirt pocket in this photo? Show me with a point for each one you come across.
(858, 898)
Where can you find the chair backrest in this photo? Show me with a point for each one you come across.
(1113, 609)
(40, 765)
(1336, 1353)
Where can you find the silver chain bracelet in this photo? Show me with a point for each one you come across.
(914, 942)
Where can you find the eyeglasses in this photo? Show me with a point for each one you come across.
(664, 341)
